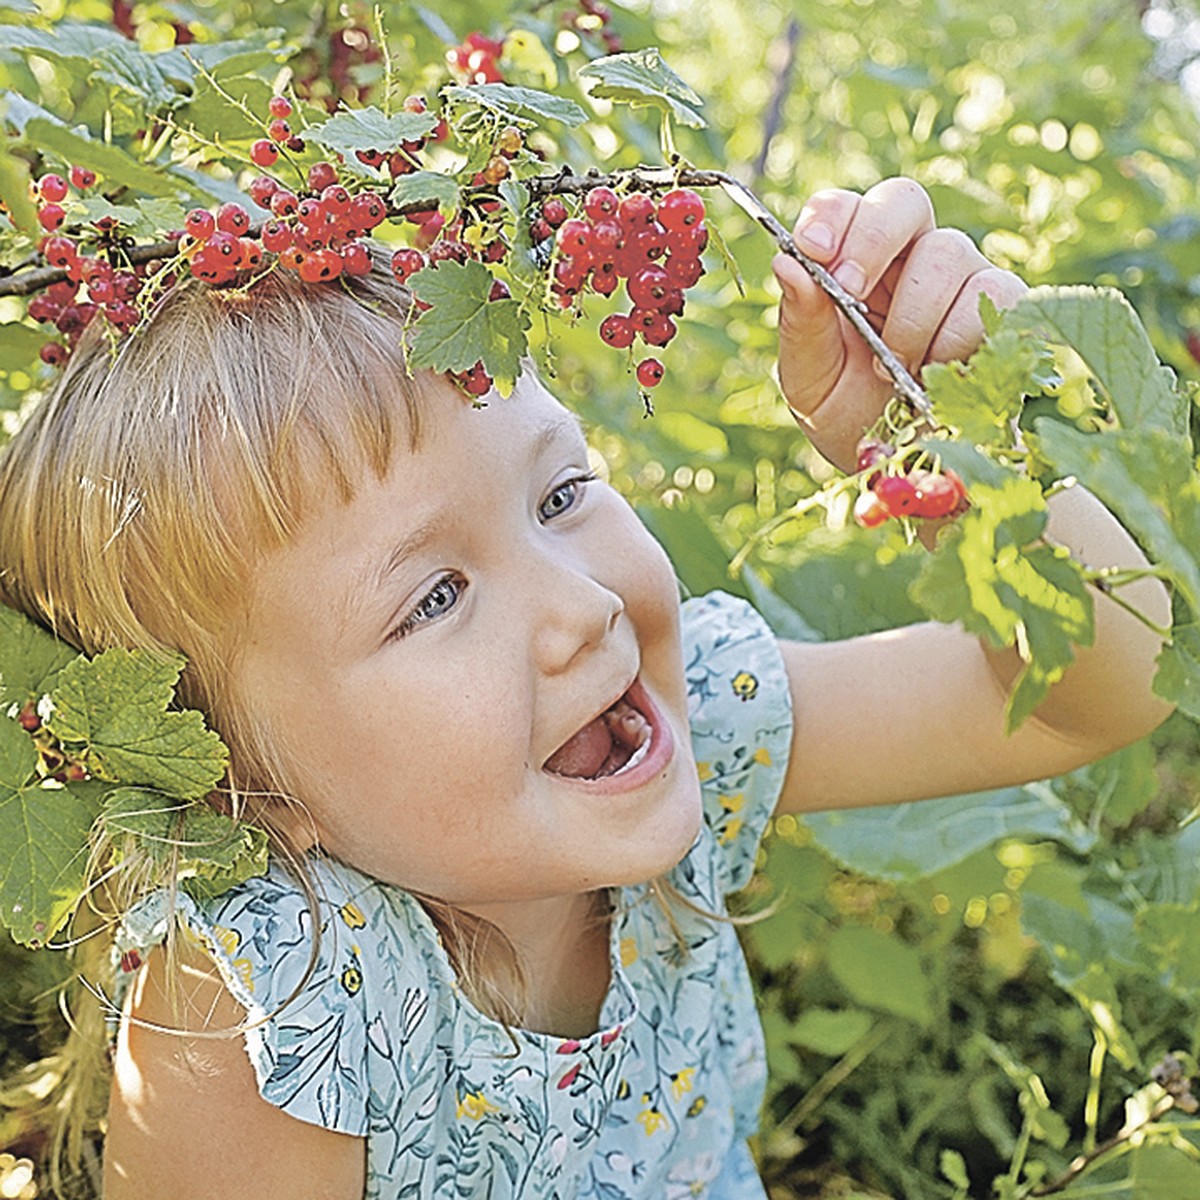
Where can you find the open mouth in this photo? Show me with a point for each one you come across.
(614, 741)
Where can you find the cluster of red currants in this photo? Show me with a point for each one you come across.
(109, 290)
(314, 232)
(592, 17)
(653, 245)
(53, 761)
(918, 493)
(475, 60)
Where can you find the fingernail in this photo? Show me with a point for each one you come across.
(817, 236)
(850, 276)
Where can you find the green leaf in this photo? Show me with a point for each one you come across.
(1147, 478)
(831, 1031)
(30, 658)
(19, 344)
(115, 708)
(141, 219)
(43, 841)
(642, 79)
(370, 129)
(116, 166)
(164, 824)
(1102, 327)
(881, 973)
(463, 326)
(1164, 1172)
(517, 105)
(981, 398)
(991, 574)
(14, 190)
(426, 187)
(905, 842)
(1178, 677)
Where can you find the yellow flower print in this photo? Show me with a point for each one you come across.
(629, 951)
(731, 830)
(733, 803)
(762, 755)
(697, 1106)
(228, 941)
(681, 1082)
(352, 915)
(474, 1105)
(745, 686)
(652, 1120)
(704, 770)
(351, 980)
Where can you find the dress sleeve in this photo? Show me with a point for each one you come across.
(741, 720)
(296, 970)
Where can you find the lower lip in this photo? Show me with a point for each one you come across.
(655, 761)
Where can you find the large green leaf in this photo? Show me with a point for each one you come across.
(1147, 478)
(912, 841)
(370, 129)
(642, 79)
(30, 658)
(118, 167)
(43, 841)
(463, 327)
(515, 104)
(1101, 325)
(881, 973)
(992, 574)
(426, 187)
(115, 709)
(1178, 677)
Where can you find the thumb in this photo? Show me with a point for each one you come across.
(812, 351)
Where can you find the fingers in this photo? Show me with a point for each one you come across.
(812, 351)
(962, 330)
(858, 237)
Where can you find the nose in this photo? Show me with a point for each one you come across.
(575, 615)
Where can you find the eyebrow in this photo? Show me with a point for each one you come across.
(560, 425)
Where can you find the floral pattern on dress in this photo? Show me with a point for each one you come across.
(363, 1029)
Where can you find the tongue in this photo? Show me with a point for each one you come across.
(585, 753)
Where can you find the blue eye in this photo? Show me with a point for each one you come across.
(564, 496)
(436, 603)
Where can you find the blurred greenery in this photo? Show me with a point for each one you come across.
(953, 994)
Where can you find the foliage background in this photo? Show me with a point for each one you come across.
(953, 993)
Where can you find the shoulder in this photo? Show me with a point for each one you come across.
(310, 965)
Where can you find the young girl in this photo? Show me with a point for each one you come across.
(508, 781)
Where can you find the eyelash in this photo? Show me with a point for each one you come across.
(576, 482)
(420, 615)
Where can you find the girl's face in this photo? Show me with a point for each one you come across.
(474, 667)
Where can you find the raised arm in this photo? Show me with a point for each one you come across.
(918, 712)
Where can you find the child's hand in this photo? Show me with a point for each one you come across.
(921, 285)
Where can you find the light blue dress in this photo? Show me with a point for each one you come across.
(378, 1041)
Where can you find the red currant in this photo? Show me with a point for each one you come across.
(233, 218)
(51, 216)
(649, 287)
(279, 131)
(279, 107)
(284, 203)
(53, 354)
(636, 210)
(680, 209)
(368, 210)
(200, 223)
(264, 153)
(554, 211)
(82, 178)
(59, 251)
(617, 331)
(868, 511)
(261, 189)
(335, 198)
(649, 372)
(52, 188)
(601, 202)
(407, 262)
(356, 259)
(897, 495)
(574, 237)
(321, 175)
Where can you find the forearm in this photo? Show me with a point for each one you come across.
(1104, 699)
